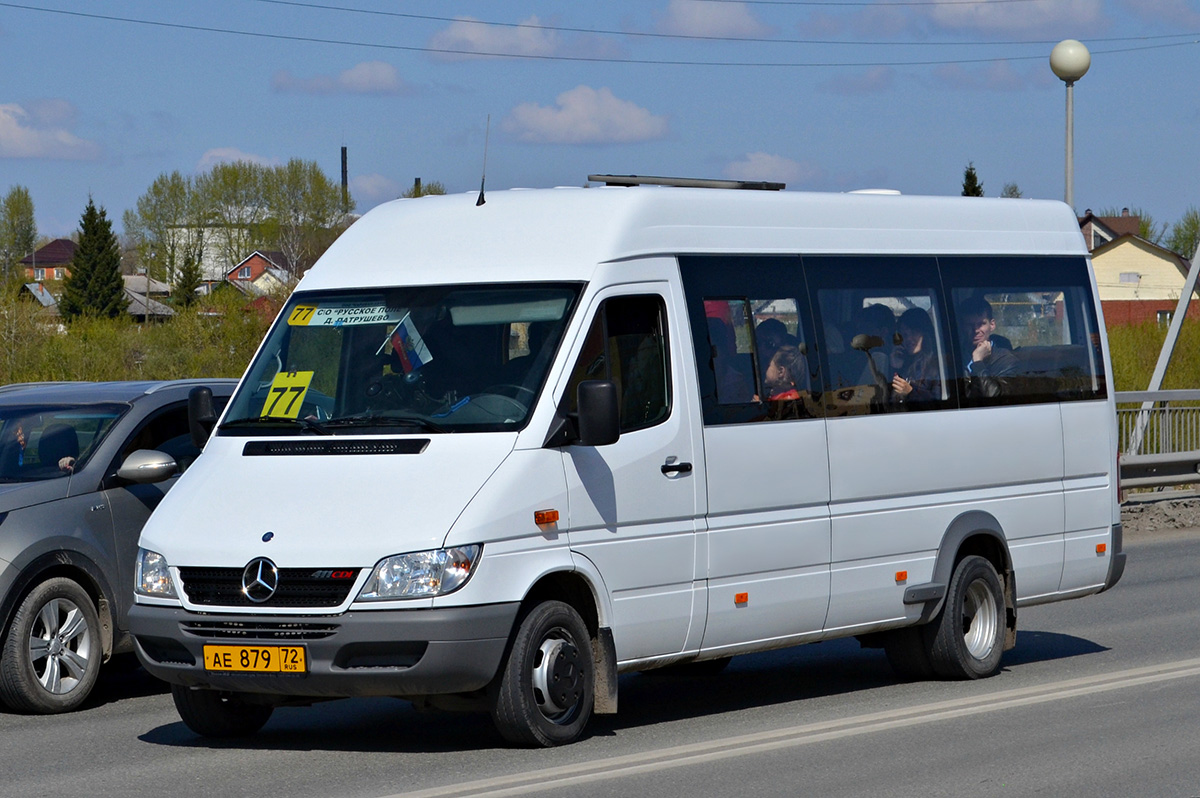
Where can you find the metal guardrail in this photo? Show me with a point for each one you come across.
(1159, 438)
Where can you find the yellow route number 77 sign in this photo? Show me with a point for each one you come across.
(287, 394)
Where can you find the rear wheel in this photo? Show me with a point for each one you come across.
(967, 637)
(52, 652)
(210, 713)
(544, 694)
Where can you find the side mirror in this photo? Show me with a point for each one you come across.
(599, 420)
(863, 342)
(147, 465)
(202, 415)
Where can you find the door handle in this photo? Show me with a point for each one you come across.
(676, 468)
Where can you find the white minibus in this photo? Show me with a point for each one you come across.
(495, 454)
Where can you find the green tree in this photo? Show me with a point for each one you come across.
(187, 280)
(234, 195)
(166, 228)
(1011, 191)
(95, 287)
(303, 205)
(18, 230)
(424, 189)
(1185, 234)
(971, 186)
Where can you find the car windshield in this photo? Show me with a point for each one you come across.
(49, 441)
(426, 359)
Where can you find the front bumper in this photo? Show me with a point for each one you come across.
(363, 653)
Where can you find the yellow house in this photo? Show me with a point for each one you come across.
(1139, 280)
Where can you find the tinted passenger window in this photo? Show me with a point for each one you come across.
(751, 328)
(627, 344)
(1027, 330)
(886, 346)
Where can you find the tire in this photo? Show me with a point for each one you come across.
(907, 653)
(210, 713)
(966, 639)
(52, 651)
(544, 692)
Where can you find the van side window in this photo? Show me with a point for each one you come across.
(1026, 330)
(749, 320)
(886, 342)
(627, 344)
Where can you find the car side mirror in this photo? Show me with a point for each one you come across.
(202, 414)
(599, 421)
(147, 465)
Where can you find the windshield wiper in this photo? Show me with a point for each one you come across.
(384, 421)
(303, 423)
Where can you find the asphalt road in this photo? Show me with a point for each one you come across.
(1100, 697)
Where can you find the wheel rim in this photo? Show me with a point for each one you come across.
(979, 619)
(60, 646)
(557, 677)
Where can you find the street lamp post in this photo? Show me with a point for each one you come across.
(1070, 61)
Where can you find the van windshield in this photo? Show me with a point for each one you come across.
(425, 359)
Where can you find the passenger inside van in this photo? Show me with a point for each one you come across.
(916, 375)
(991, 364)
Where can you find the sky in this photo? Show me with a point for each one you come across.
(100, 97)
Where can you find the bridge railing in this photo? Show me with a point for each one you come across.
(1159, 435)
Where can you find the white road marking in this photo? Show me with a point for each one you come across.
(558, 778)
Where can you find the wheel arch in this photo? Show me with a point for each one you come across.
(71, 565)
(976, 532)
(576, 589)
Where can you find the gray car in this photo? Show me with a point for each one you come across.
(82, 465)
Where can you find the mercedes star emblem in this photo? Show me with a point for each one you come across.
(260, 580)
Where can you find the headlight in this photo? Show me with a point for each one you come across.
(421, 574)
(153, 577)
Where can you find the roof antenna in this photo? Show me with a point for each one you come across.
(487, 133)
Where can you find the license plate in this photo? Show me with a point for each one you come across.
(257, 659)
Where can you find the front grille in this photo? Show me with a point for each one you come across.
(298, 587)
(239, 630)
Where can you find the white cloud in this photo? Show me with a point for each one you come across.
(584, 115)
(773, 168)
(697, 18)
(1039, 16)
(369, 77)
(467, 35)
(41, 131)
(800, 175)
(370, 190)
(997, 76)
(1177, 12)
(874, 80)
(231, 155)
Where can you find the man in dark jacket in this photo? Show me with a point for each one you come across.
(992, 364)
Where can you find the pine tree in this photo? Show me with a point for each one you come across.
(971, 185)
(95, 287)
(187, 280)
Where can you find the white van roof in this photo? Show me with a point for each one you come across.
(561, 234)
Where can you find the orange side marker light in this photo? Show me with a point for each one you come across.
(1101, 548)
(545, 517)
(741, 598)
(901, 576)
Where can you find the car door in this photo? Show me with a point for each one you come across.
(634, 503)
(129, 503)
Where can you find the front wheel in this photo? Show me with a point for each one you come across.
(967, 637)
(543, 695)
(210, 713)
(52, 652)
